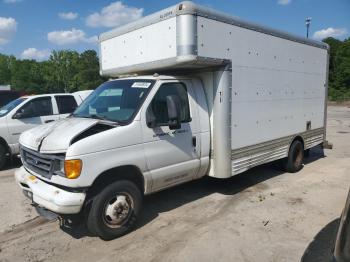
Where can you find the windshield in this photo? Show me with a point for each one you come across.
(116, 101)
(7, 108)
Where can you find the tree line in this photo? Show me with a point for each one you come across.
(64, 71)
(69, 71)
(339, 69)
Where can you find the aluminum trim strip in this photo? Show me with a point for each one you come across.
(308, 137)
(251, 156)
(274, 144)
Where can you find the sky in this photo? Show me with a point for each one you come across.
(31, 29)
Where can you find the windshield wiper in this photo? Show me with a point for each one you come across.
(95, 116)
(99, 117)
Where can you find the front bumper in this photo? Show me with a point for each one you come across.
(48, 196)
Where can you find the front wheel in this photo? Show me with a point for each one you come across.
(114, 210)
(294, 162)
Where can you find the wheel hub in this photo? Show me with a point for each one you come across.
(117, 210)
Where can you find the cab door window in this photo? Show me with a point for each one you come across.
(37, 107)
(159, 107)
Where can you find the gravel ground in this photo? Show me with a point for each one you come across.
(261, 215)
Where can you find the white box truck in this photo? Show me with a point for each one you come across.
(197, 93)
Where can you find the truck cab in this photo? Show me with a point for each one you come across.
(152, 129)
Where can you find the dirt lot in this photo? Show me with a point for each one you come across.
(261, 215)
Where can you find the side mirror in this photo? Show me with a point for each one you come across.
(18, 115)
(174, 111)
(150, 118)
(23, 113)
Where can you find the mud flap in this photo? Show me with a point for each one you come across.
(327, 145)
(74, 225)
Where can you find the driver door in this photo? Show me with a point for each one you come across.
(172, 155)
(33, 113)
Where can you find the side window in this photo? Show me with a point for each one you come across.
(66, 104)
(159, 106)
(37, 107)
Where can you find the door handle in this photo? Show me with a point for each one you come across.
(194, 141)
(48, 121)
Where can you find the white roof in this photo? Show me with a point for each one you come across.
(149, 77)
(44, 95)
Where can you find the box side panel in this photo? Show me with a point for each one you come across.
(278, 86)
(147, 44)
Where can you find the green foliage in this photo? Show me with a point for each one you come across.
(5, 69)
(65, 71)
(339, 69)
(88, 71)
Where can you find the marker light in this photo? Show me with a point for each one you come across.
(72, 168)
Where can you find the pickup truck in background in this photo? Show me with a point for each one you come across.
(206, 94)
(27, 112)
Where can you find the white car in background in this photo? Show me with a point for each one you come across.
(27, 112)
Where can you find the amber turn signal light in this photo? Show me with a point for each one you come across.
(72, 168)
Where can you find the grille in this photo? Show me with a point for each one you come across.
(42, 164)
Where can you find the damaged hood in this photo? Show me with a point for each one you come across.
(55, 137)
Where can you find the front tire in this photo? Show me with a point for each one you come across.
(294, 162)
(3, 157)
(114, 210)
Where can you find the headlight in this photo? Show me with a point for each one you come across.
(72, 168)
(61, 166)
(58, 167)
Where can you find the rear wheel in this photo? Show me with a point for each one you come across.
(114, 210)
(3, 156)
(294, 162)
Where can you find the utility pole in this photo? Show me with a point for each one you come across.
(307, 23)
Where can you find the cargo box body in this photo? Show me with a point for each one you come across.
(264, 87)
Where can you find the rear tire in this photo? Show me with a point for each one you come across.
(294, 162)
(3, 157)
(114, 210)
